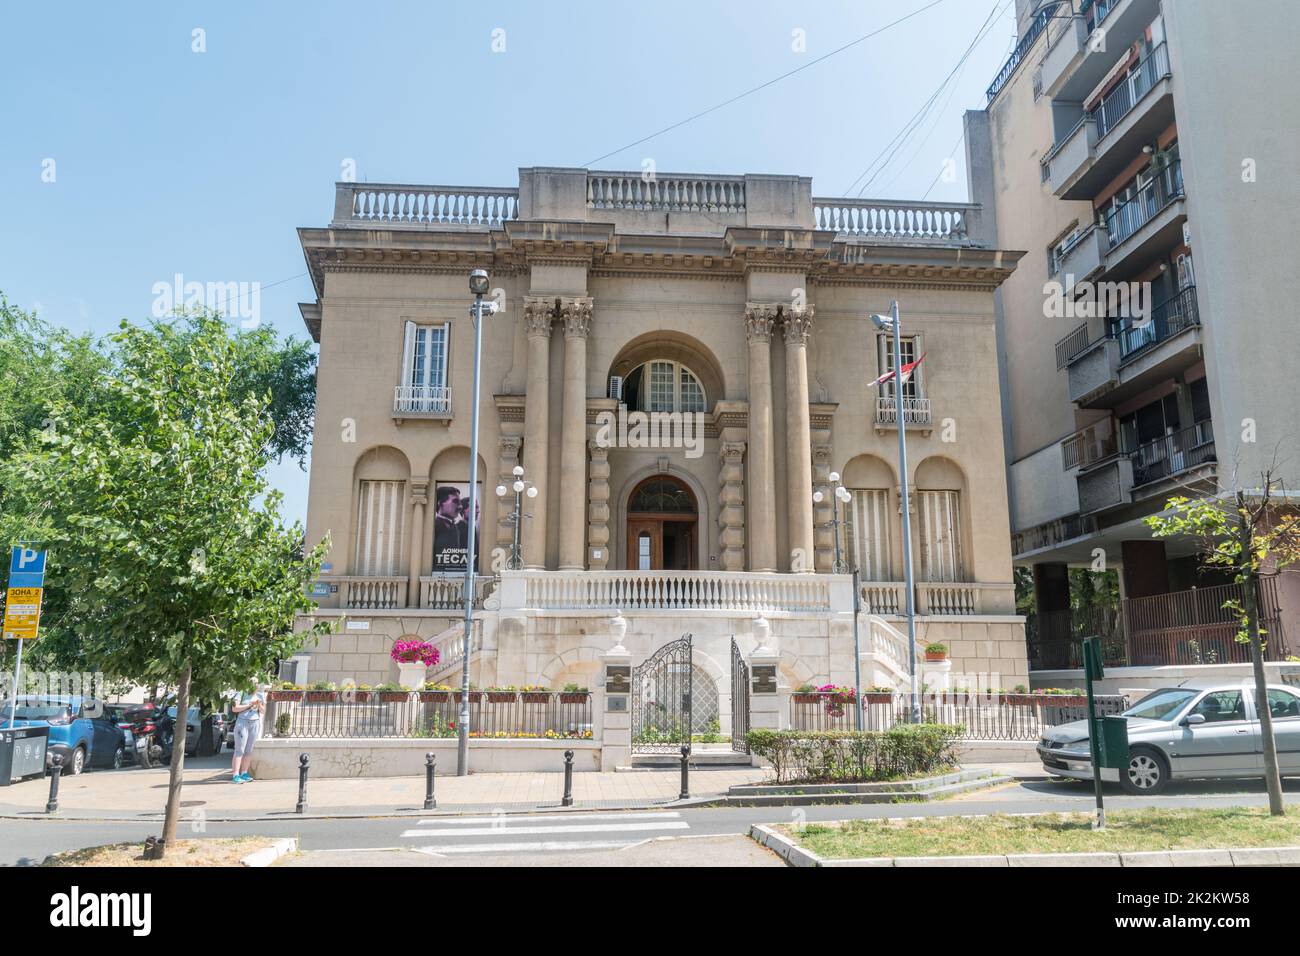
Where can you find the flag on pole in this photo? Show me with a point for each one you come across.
(908, 369)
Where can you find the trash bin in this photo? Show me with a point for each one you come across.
(22, 753)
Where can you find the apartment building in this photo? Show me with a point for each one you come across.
(678, 364)
(1143, 152)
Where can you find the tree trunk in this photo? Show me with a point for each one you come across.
(175, 779)
(1272, 776)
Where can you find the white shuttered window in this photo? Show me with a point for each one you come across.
(868, 519)
(380, 509)
(938, 525)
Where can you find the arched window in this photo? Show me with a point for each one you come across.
(663, 386)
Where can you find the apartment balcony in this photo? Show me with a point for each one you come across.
(1084, 257)
(1107, 138)
(916, 414)
(1148, 224)
(1093, 372)
(422, 401)
(1147, 471)
(1087, 46)
(1106, 486)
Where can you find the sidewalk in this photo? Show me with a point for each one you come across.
(132, 793)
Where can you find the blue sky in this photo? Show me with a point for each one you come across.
(168, 161)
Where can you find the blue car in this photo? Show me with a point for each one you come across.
(81, 731)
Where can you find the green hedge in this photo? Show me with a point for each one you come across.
(830, 756)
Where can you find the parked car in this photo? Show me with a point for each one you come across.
(193, 728)
(1194, 730)
(81, 731)
(118, 714)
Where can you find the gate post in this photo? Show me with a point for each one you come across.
(770, 694)
(616, 715)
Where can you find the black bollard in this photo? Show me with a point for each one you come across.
(430, 763)
(567, 799)
(55, 774)
(686, 774)
(303, 760)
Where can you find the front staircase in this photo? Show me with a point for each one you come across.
(703, 756)
(886, 653)
(451, 652)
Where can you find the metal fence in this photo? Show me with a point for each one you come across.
(982, 716)
(430, 714)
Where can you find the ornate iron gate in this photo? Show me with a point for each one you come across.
(739, 700)
(661, 699)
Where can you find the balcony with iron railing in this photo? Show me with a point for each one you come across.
(1173, 454)
(1172, 316)
(1135, 474)
(1078, 56)
(422, 401)
(1026, 42)
(916, 412)
(1102, 141)
(1130, 217)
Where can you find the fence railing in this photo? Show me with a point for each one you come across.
(1170, 317)
(424, 206)
(1174, 453)
(422, 399)
(675, 590)
(1055, 638)
(1194, 627)
(895, 219)
(1120, 101)
(1040, 21)
(982, 716)
(446, 592)
(666, 191)
(1071, 345)
(916, 411)
(372, 593)
(428, 714)
(1088, 446)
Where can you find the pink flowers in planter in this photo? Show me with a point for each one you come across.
(415, 651)
(836, 697)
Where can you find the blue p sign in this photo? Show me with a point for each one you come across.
(26, 568)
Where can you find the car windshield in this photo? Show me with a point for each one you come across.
(1162, 705)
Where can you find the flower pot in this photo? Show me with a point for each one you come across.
(320, 696)
(436, 696)
(536, 697)
(501, 697)
(572, 697)
(360, 696)
(872, 697)
(934, 657)
(293, 695)
(805, 698)
(394, 696)
(411, 675)
(474, 696)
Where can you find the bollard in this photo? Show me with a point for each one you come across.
(303, 760)
(686, 774)
(430, 763)
(567, 800)
(55, 774)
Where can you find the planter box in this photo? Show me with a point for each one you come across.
(474, 696)
(436, 696)
(573, 697)
(394, 696)
(293, 695)
(935, 658)
(805, 698)
(536, 697)
(320, 696)
(874, 698)
(501, 697)
(361, 696)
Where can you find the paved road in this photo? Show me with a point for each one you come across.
(647, 837)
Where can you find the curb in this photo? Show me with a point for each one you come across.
(795, 855)
(845, 797)
(268, 855)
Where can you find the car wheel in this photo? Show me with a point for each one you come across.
(78, 763)
(119, 758)
(1146, 773)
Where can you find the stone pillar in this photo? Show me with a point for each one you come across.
(538, 313)
(760, 477)
(731, 507)
(616, 701)
(798, 431)
(824, 530)
(769, 702)
(576, 315)
(508, 447)
(598, 507)
(419, 498)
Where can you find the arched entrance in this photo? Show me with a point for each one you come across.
(662, 520)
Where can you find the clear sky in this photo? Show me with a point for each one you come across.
(167, 160)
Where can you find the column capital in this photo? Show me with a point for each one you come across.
(419, 491)
(599, 450)
(759, 319)
(798, 325)
(510, 445)
(733, 451)
(575, 313)
(539, 311)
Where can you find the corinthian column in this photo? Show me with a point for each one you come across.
(760, 475)
(538, 313)
(576, 314)
(798, 430)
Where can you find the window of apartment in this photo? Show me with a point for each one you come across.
(910, 347)
(867, 517)
(1057, 252)
(424, 359)
(938, 522)
(663, 386)
(380, 510)
(1151, 422)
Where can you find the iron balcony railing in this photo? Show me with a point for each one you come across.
(1035, 30)
(1173, 454)
(916, 411)
(1088, 446)
(1096, 13)
(1164, 187)
(1117, 104)
(422, 399)
(1055, 638)
(1170, 317)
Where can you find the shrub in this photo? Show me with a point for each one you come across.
(845, 756)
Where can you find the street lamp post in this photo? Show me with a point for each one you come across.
(893, 324)
(520, 486)
(841, 494)
(478, 284)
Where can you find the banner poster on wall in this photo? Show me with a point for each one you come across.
(451, 525)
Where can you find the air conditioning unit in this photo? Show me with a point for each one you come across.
(294, 670)
(616, 387)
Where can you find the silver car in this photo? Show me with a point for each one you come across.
(1192, 730)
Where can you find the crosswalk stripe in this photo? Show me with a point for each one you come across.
(543, 847)
(500, 830)
(472, 821)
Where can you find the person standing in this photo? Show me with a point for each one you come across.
(248, 727)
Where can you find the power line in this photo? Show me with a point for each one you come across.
(763, 86)
(895, 144)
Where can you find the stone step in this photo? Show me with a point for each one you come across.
(706, 758)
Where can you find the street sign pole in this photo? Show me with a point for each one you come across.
(22, 616)
(1093, 671)
(13, 697)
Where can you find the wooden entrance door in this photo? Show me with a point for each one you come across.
(661, 526)
(645, 544)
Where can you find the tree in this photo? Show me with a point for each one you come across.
(1250, 533)
(163, 533)
(44, 366)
